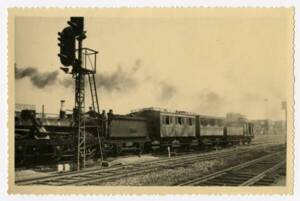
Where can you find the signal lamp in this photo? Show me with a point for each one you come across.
(65, 69)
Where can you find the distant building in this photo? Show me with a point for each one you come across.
(269, 127)
(20, 107)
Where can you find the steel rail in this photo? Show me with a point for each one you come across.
(152, 164)
(143, 170)
(119, 170)
(255, 178)
(260, 176)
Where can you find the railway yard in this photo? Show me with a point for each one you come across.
(145, 147)
(261, 163)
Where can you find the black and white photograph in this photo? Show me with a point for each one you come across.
(151, 98)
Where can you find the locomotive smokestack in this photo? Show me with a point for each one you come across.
(62, 105)
(62, 112)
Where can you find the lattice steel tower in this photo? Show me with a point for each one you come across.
(77, 60)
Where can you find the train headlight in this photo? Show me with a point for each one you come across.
(19, 147)
(58, 148)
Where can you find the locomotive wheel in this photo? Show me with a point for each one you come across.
(117, 150)
(147, 147)
(139, 149)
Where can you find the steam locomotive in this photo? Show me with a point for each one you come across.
(150, 129)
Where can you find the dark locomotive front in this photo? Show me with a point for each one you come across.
(43, 138)
(38, 138)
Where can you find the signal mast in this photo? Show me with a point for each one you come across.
(80, 62)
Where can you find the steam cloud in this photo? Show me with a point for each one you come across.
(210, 102)
(37, 78)
(119, 80)
(167, 91)
(67, 82)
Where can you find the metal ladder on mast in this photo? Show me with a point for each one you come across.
(94, 95)
(95, 105)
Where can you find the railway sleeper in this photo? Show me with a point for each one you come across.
(218, 183)
(264, 182)
(228, 181)
(244, 174)
(267, 180)
(233, 178)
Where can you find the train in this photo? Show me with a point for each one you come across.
(180, 129)
(145, 130)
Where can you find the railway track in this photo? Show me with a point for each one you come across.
(51, 164)
(255, 172)
(94, 176)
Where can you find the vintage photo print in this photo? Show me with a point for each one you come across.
(150, 101)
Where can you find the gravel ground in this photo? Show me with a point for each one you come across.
(160, 177)
(132, 159)
(29, 174)
(167, 177)
(41, 171)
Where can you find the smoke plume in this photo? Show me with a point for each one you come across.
(67, 82)
(167, 91)
(210, 102)
(118, 80)
(38, 79)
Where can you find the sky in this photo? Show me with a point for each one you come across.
(209, 65)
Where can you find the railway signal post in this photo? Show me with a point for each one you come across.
(69, 37)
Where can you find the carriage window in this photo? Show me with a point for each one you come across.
(163, 120)
(167, 120)
(179, 120)
(171, 120)
(190, 120)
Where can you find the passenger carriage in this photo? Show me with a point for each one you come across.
(210, 130)
(174, 129)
